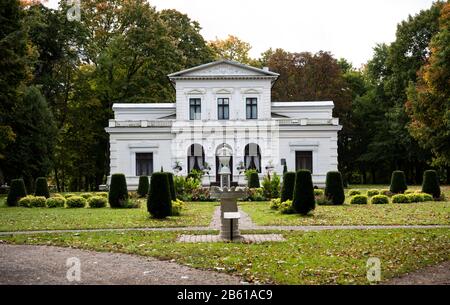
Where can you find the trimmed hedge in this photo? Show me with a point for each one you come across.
(118, 191)
(97, 202)
(76, 202)
(354, 192)
(173, 194)
(286, 207)
(334, 189)
(253, 181)
(398, 182)
(31, 201)
(380, 199)
(371, 193)
(16, 191)
(287, 189)
(430, 183)
(42, 187)
(359, 199)
(143, 186)
(159, 203)
(87, 195)
(415, 197)
(55, 202)
(303, 201)
(400, 198)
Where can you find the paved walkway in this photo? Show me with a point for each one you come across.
(25, 264)
(245, 222)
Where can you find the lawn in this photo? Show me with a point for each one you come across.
(28, 219)
(327, 257)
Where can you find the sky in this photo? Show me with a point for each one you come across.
(346, 28)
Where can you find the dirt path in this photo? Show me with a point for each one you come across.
(25, 264)
(433, 275)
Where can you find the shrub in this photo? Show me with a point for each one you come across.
(159, 203)
(398, 182)
(201, 194)
(87, 195)
(354, 192)
(409, 192)
(143, 186)
(57, 195)
(427, 197)
(177, 206)
(304, 200)
(41, 187)
(253, 181)
(97, 202)
(102, 194)
(318, 192)
(380, 199)
(248, 173)
(131, 204)
(195, 174)
(271, 186)
(287, 189)
(67, 196)
(371, 193)
(76, 202)
(31, 201)
(359, 199)
(275, 203)
(323, 200)
(400, 198)
(415, 197)
(255, 194)
(430, 183)
(56, 202)
(286, 207)
(334, 189)
(118, 192)
(179, 183)
(173, 194)
(16, 192)
(386, 192)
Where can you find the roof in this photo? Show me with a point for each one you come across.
(262, 72)
(144, 106)
(304, 104)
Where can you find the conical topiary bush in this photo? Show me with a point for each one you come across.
(303, 200)
(334, 188)
(143, 186)
(118, 191)
(287, 189)
(173, 194)
(16, 191)
(159, 203)
(430, 184)
(398, 182)
(42, 187)
(253, 181)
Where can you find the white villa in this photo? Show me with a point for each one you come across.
(223, 104)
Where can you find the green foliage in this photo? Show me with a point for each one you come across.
(16, 191)
(76, 202)
(354, 192)
(285, 169)
(55, 202)
(159, 203)
(255, 194)
(143, 186)
(427, 197)
(385, 192)
(173, 194)
(68, 195)
(271, 186)
(42, 187)
(414, 197)
(318, 192)
(287, 189)
(253, 181)
(177, 206)
(103, 194)
(380, 199)
(323, 200)
(303, 200)
(31, 201)
(286, 207)
(87, 195)
(118, 191)
(371, 193)
(97, 202)
(195, 174)
(430, 183)
(334, 189)
(201, 194)
(275, 203)
(359, 199)
(400, 198)
(398, 182)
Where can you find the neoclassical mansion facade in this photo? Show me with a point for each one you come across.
(223, 104)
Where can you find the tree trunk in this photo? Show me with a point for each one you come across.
(58, 189)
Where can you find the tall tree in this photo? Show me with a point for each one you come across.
(232, 48)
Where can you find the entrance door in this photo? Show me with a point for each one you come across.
(303, 160)
(217, 169)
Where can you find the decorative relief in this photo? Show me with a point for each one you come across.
(222, 69)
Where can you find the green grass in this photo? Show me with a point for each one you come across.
(326, 257)
(28, 219)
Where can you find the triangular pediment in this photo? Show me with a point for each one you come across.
(223, 68)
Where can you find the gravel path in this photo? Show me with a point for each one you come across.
(434, 275)
(25, 264)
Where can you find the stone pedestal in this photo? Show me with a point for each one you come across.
(229, 205)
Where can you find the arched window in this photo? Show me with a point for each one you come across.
(196, 157)
(252, 155)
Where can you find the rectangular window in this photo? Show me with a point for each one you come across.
(223, 108)
(195, 109)
(144, 164)
(252, 108)
(303, 160)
